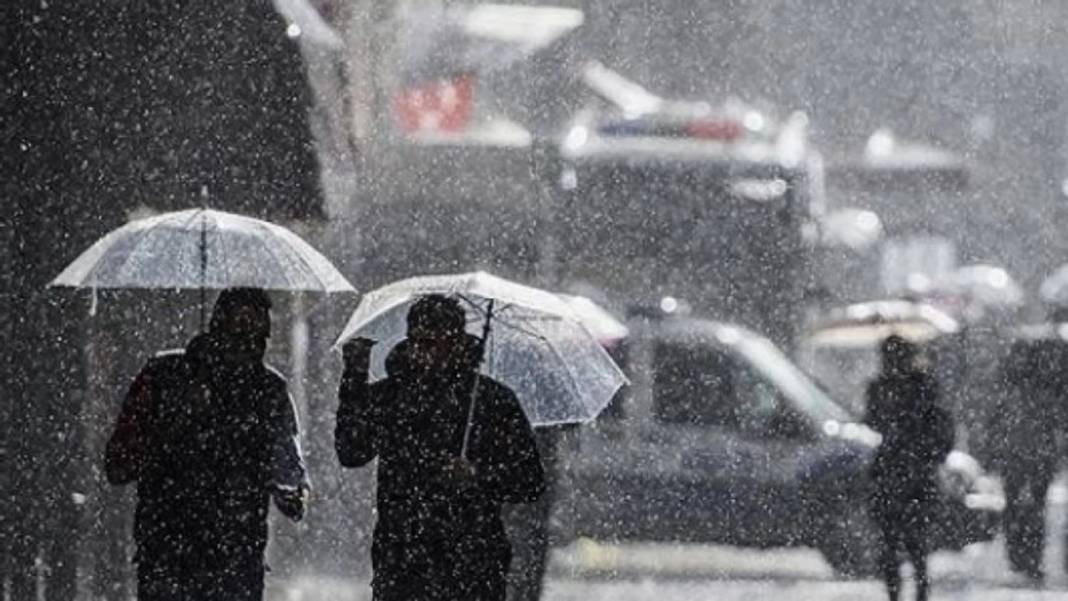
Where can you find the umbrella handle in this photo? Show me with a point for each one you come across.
(474, 388)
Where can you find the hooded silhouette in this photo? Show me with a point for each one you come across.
(439, 533)
(209, 434)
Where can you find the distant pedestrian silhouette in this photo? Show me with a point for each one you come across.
(1027, 428)
(209, 434)
(916, 437)
(439, 534)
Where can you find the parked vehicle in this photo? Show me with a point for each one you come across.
(708, 203)
(722, 439)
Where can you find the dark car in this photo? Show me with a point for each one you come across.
(722, 439)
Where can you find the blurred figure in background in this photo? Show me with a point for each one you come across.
(1026, 430)
(916, 437)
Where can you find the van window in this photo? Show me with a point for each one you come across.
(705, 386)
(692, 385)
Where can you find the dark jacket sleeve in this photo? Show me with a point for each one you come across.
(125, 450)
(287, 461)
(356, 434)
(513, 473)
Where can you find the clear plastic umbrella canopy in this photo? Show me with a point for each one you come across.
(866, 324)
(537, 344)
(203, 249)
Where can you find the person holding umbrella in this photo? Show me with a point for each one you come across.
(209, 434)
(452, 446)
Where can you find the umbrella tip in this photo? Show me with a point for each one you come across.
(204, 196)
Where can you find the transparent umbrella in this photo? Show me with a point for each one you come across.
(534, 342)
(203, 249)
(865, 324)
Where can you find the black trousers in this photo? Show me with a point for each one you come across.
(451, 579)
(903, 523)
(238, 580)
(1025, 518)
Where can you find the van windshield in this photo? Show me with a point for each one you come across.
(808, 398)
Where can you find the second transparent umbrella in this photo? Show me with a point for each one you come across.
(535, 343)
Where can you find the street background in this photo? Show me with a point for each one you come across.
(587, 570)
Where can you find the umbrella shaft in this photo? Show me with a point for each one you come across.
(203, 270)
(474, 389)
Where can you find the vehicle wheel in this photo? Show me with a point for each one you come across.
(850, 544)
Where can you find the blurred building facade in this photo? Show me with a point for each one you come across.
(978, 80)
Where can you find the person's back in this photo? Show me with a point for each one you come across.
(209, 435)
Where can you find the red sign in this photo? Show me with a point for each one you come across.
(444, 105)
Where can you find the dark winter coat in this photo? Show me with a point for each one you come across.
(432, 541)
(1029, 422)
(207, 443)
(917, 435)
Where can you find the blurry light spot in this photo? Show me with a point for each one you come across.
(831, 427)
(760, 190)
(576, 138)
(753, 121)
(998, 279)
(669, 304)
(867, 220)
(880, 144)
(293, 31)
(568, 179)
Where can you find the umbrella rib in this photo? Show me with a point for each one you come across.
(94, 271)
(142, 235)
(572, 379)
(530, 333)
(502, 322)
(507, 324)
(299, 256)
(542, 316)
(263, 228)
(270, 251)
(307, 264)
(474, 305)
